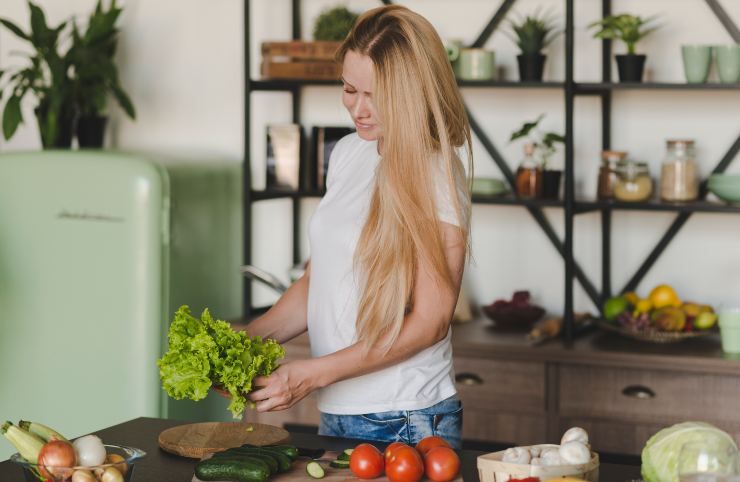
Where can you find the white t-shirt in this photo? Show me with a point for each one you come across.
(333, 295)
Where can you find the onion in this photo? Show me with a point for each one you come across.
(90, 451)
(111, 475)
(55, 458)
(119, 461)
(83, 476)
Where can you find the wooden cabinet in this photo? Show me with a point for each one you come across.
(621, 392)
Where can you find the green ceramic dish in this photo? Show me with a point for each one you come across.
(488, 186)
(725, 186)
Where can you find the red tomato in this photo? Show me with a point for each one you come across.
(441, 464)
(405, 465)
(366, 461)
(428, 443)
(390, 449)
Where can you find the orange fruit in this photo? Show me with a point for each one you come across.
(664, 295)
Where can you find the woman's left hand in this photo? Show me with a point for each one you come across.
(284, 387)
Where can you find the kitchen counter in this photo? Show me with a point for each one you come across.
(159, 466)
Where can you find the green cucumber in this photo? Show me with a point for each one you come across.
(315, 470)
(268, 459)
(231, 469)
(348, 452)
(284, 462)
(343, 456)
(339, 464)
(289, 450)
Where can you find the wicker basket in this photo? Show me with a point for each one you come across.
(492, 469)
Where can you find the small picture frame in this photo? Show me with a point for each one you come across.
(283, 156)
(324, 139)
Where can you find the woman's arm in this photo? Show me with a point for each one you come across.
(427, 324)
(287, 317)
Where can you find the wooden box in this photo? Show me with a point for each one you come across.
(492, 469)
(300, 60)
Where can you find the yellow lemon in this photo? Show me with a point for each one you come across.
(643, 306)
(631, 298)
(664, 295)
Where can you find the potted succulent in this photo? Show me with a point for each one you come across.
(544, 145)
(630, 29)
(46, 77)
(96, 76)
(532, 34)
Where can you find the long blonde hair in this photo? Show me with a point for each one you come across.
(423, 123)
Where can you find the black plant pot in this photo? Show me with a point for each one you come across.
(630, 67)
(91, 131)
(62, 137)
(551, 184)
(531, 67)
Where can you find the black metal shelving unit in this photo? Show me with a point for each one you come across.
(606, 90)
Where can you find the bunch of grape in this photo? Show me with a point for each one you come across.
(628, 321)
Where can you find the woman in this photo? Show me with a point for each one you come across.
(388, 247)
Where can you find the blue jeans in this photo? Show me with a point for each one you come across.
(408, 426)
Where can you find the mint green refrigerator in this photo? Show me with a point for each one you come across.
(89, 245)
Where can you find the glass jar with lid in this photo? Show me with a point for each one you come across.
(678, 179)
(634, 183)
(608, 175)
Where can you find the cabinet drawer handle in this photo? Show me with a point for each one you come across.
(468, 379)
(638, 391)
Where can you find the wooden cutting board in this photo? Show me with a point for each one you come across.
(196, 440)
(298, 472)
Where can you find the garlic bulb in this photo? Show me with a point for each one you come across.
(535, 461)
(575, 434)
(517, 455)
(575, 453)
(535, 450)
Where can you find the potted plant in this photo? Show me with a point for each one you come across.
(543, 145)
(47, 77)
(96, 76)
(532, 34)
(334, 24)
(630, 29)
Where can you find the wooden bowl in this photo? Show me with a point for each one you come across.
(512, 318)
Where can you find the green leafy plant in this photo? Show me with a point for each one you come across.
(544, 142)
(630, 29)
(334, 24)
(64, 84)
(533, 32)
(46, 77)
(91, 54)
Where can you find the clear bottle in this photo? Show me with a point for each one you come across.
(678, 179)
(529, 175)
(611, 161)
(635, 183)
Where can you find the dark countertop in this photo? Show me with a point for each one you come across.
(159, 466)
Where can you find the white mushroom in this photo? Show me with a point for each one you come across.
(550, 456)
(575, 453)
(575, 434)
(517, 455)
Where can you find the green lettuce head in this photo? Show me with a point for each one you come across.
(660, 455)
(205, 352)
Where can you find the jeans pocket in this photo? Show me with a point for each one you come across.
(383, 426)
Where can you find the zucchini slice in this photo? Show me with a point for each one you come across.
(315, 470)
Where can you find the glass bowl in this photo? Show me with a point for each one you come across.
(124, 467)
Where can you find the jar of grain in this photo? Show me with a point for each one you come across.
(678, 179)
(634, 183)
(608, 173)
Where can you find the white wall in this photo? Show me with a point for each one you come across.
(181, 62)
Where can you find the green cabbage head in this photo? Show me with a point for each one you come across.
(660, 455)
